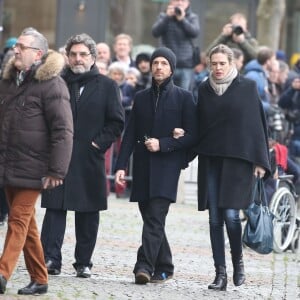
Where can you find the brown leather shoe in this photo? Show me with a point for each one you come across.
(142, 277)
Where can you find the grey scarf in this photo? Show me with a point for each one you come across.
(220, 85)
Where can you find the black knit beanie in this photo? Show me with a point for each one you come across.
(167, 53)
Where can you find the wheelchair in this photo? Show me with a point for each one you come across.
(285, 207)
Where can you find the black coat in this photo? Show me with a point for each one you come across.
(155, 174)
(99, 117)
(233, 127)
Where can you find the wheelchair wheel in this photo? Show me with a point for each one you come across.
(295, 242)
(283, 207)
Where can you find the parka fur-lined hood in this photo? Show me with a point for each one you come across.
(51, 66)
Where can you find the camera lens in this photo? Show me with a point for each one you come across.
(177, 11)
(237, 30)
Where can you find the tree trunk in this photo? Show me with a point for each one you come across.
(270, 14)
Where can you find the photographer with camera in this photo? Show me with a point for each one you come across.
(177, 27)
(236, 35)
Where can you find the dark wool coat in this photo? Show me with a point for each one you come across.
(178, 35)
(233, 127)
(99, 118)
(155, 174)
(36, 127)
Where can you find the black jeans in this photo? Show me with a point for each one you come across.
(154, 255)
(53, 231)
(219, 216)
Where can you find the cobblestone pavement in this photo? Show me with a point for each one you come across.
(273, 276)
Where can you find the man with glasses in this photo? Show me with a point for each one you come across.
(36, 136)
(98, 121)
(177, 27)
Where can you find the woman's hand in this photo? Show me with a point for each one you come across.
(259, 172)
(178, 132)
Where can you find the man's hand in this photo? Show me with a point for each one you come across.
(50, 182)
(227, 29)
(238, 38)
(152, 144)
(120, 178)
(171, 12)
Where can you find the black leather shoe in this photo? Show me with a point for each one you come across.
(3, 283)
(83, 272)
(33, 288)
(52, 270)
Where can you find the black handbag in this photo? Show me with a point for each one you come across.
(258, 232)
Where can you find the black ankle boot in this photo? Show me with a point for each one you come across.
(220, 282)
(238, 272)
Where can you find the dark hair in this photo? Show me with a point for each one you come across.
(82, 38)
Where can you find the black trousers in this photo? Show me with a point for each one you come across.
(3, 205)
(53, 231)
(154, 255)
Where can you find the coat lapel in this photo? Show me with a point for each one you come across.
(85, 95)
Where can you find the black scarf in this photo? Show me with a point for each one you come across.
(76, 81)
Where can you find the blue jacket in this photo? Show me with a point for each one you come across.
(253, 70)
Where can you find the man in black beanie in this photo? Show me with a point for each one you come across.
(162, 126)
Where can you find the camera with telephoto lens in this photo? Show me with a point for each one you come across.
(236, 29)
(177, 11)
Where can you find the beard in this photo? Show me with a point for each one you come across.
(78, 69)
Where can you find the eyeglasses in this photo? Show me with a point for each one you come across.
(81, 54)
(22, 47)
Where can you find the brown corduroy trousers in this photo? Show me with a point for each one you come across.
(22, 234)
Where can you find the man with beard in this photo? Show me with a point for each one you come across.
(161, 128)
(98, 121)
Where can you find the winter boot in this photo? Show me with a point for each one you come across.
(220, 282)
